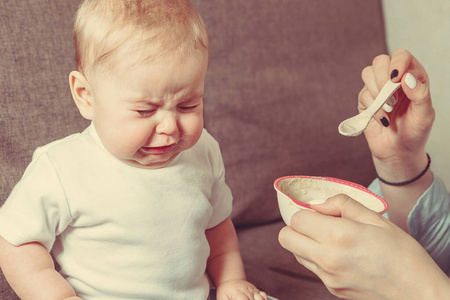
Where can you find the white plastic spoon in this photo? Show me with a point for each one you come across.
(357, 124)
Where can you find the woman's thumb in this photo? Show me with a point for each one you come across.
(419, 94)
(343, 206)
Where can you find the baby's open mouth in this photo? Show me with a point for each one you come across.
(158, 150)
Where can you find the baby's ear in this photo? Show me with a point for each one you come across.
(81, 93)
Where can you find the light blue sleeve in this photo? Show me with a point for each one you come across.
(429, 221)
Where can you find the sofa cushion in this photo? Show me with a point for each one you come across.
(275, 270)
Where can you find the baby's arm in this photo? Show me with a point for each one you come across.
(225, 266)
(31, 273)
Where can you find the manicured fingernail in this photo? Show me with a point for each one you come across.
(391, 100)
(387, 108)
(411, 82)
(318, 201)
(394, 73)
(384, 121)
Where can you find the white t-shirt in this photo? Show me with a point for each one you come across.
(117, 231)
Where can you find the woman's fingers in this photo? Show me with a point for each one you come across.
(344, 206)
(381, 65)
(368, 77)
(421, 106)
(299, 244)
(374, 77)
(403, 61)
(333, 221)
(404, 67)
(414, 78)
(307, 235)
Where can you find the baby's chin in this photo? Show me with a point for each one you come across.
(145, 163)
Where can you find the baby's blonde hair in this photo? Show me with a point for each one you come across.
(106, 31)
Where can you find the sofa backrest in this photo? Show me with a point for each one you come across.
(282, 75)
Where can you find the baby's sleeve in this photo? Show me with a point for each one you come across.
(37, 209)
(221, 197)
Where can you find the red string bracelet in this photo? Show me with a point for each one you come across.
(408, 181)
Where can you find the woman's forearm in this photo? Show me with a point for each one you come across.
(403, 198)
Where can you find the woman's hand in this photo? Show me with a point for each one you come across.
(359, 254)
(397, 138)
(402, 133)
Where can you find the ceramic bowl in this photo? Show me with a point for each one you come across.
(296, 192)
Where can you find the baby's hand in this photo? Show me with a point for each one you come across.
(239, 290)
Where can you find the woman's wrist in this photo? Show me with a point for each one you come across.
(402, 169)
(409, 181)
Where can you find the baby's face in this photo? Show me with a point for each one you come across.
(146, 115)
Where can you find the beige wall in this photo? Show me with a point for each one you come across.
(423, 28)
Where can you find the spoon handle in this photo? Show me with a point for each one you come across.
(388, 89)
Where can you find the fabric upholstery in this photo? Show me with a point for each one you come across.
(282, 75)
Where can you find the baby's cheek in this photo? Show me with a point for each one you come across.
(190, 140)
(192, 123)
(126, 146)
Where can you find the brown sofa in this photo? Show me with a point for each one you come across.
(282, 75)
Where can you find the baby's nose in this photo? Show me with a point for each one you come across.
(167, 124)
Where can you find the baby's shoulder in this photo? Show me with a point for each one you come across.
(64, 144)
(76, 143)
(207, 147)
(58, 143)
(207, 140)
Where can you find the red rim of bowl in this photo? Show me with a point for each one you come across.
(331, 179)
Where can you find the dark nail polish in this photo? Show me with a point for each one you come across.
(384, 121)
(394, 73)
